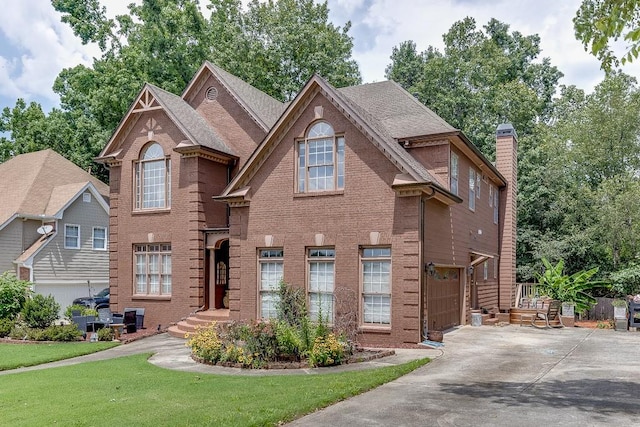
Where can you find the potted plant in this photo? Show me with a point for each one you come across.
(619, 308)
(572, 290)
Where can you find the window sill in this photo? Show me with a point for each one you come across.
(319, 194)
(371, 329)
(152, 297)
(151, 211)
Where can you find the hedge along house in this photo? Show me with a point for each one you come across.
(378, 208)
(362, 196)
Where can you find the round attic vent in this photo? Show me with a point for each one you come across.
(211, 94)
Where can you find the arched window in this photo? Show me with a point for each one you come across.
(153, 179)
(320, 160)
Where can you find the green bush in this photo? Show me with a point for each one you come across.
(6, 325)
(50, 333)
(575, 288)
(205, 343)
(83, 309)
(626, 281)
(289, 340)
(40, 311)
(13, 295)
(106, 334)
(291, 306)
(327, 351)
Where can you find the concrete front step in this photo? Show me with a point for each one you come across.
(201, 318)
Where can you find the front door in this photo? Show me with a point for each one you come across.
(221, 275)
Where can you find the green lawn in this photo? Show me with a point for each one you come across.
(131, 391)
(18, 355)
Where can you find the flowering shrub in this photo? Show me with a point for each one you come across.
(327, 351)
(205, 343)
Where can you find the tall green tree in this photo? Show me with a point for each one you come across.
(482, 78)
(276, 46)
(599, 22)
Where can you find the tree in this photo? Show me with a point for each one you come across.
(275, 46)
(598, 22)
(482, 79)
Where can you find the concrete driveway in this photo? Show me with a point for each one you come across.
(508, 376)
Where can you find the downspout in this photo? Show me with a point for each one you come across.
(423, 275)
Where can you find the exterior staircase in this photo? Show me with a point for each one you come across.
(199, 318)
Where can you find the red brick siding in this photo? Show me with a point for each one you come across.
(368, 204)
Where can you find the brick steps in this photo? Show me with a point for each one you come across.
(201, 318)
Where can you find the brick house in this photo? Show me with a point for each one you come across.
(361, 195)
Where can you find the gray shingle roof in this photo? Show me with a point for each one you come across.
(262, 106)
(41, 183)
(396, 110)
(192, 124)
(393, 113)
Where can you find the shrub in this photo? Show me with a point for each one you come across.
(6, 325)
(626, 281)
(106, 334)
(259, 341)
(289, 340)
(205, 343)
(13, 295)
(40, 311)
(574, 289)
(327, 351)
(291, 306)
(83, 309)
(60, 333)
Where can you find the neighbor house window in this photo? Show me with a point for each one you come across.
(271, 271)
(453, 176)
(321, 264)
(153, 269)
(486, 270)
(153, 179)
(495, 268)
(472, 189)
(376, 285)
(320, 164)
(99, 238)
(71, 236)
(478, 186)
(496, 204)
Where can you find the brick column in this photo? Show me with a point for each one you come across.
(507, 165)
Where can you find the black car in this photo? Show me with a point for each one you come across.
(99, 300)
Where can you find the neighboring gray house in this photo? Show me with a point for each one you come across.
(54, 220)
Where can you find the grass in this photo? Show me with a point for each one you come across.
(131, 391)
(14, 356)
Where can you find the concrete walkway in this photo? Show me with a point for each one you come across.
(508, 376)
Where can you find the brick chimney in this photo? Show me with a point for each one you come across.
(507, 165)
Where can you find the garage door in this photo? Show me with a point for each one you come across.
(443, 298)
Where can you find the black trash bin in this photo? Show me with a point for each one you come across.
(634, 310)
(130, 321)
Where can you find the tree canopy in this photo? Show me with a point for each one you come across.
(598, 23)
(275, 46)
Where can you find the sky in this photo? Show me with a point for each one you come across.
(35, 46)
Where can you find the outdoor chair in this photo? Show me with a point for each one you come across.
(550, 316)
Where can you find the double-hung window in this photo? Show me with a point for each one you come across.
(153, 269)
(376, 285)
(153, 179)
(71, 236)
(496, 204)
(321, 264)
(472, 189)
(453, 173)
(320, 164)
(271, 271)
(99, 238)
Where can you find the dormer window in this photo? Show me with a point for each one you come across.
(320, 164)
(153, 179)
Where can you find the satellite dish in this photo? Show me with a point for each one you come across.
(44, 229)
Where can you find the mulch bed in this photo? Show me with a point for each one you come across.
(361, 355)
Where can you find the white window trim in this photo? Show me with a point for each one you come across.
(161, 272)
(264, 260)
(93, 236)
(332, 259)
(138, 178)
(472, 191)
(496, 205)
(302, 172)
(453, 173)
(364, 259)
(77, 238)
